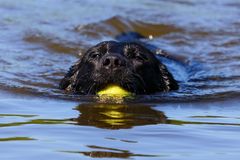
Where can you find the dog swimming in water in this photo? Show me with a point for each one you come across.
(129, 65)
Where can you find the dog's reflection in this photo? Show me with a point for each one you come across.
(118, 116)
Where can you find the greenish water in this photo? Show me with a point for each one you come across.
(40, 40)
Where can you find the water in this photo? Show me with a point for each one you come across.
(40, 40)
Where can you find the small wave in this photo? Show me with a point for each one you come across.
(117, 25)
(52, 44)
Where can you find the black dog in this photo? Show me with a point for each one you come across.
(127, 64)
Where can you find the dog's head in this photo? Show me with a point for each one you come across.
(129, 65)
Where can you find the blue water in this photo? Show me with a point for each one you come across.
(40, 40)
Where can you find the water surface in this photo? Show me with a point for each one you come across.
(40, 40)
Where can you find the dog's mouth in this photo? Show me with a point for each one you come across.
(94, 82)
(131, 83)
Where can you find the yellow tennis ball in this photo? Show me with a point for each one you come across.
(114, 90)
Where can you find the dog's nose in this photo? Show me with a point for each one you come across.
(113, 61)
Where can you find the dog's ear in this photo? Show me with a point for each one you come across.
(66, 81)
(168, 80)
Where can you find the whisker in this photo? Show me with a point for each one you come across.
(91, 87)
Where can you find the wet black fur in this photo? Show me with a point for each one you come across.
(136, 69)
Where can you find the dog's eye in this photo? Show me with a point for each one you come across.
(141, 57)
(130, 52)
(134, 52)
(95, 55)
